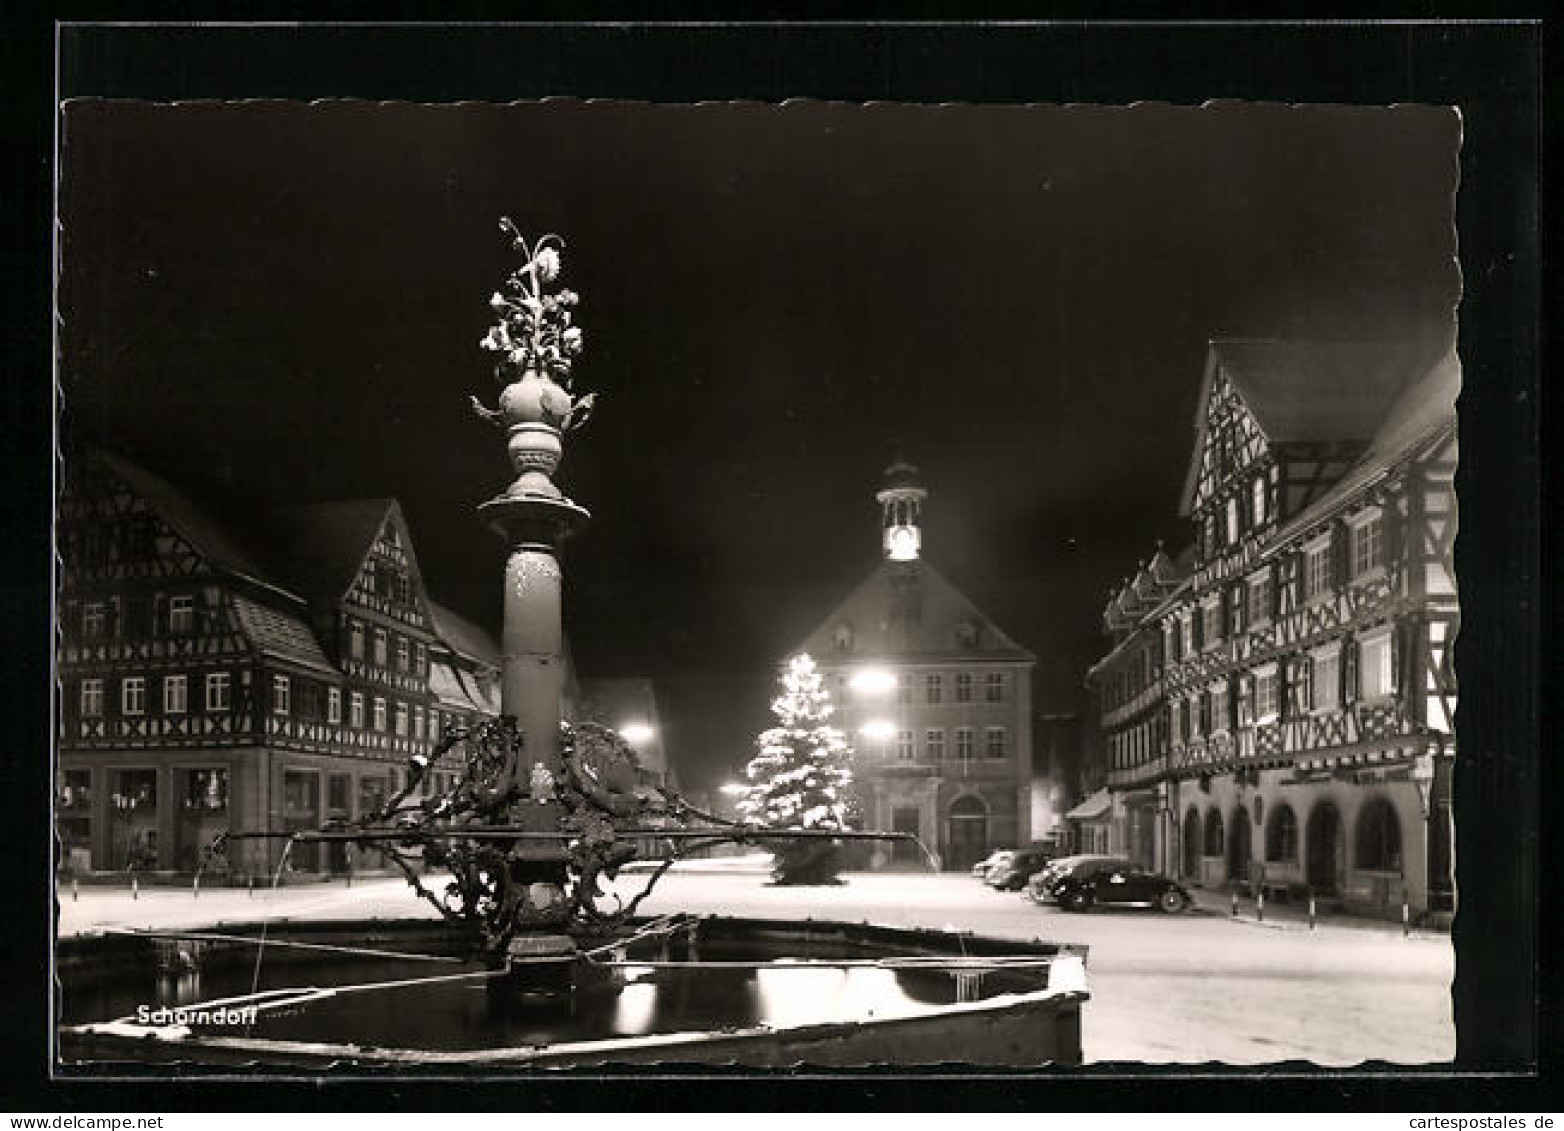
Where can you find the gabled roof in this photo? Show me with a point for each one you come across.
(1299, 391)
(322, 546)
(281, 635)
(908, 611)
(462, 636)
(1424, 412)
(192, 521)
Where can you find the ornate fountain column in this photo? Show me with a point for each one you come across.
(536, 344)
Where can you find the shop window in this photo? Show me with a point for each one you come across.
(1379, 837)
(1212, 842)
(205, 791)
(1281, 836)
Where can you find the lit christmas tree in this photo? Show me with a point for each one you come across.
(800, 778)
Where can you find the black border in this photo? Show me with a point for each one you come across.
(1493, 72)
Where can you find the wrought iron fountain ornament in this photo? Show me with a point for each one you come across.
(531, 828)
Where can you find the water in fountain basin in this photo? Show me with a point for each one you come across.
(406, 1002)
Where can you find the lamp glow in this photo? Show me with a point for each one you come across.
(733, 788)
(873, 681)
(878, 730)
(636, 733)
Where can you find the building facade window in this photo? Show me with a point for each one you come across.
(934, 744)
(933, 687)
(380, 647)
(1220, 709)
(333, 705)
(92, 620)
(282, 695)
(964, 743)
(133, 695)
(91, 698)
(181, 615)
(963, 687)
(1211, 628)
(1245, 688)
(995, 744)
(1232, 521)
(1266, 706)
(1299, 687)
(1260, 598)
(1368, 544)
(356, 639)
(219, 689)
(1176, 721)
(1257, 500)
(401, 720)
(418, 723)
(356, 709)
(176, 694)
(403, 654)
(1211, 843)
(380, 713)
(994, 687)
(1376, 676)
(420, 658)
(1326, 680)
(1317, 570)
(903, 690)
(904, 745)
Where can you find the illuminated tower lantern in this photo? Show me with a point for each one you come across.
(901, 504)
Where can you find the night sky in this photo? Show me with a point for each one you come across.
(285, 301)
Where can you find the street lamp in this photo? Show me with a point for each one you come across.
(873, 681)
(878, 730)
(636, 733)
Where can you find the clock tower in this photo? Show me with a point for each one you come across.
(901, 504)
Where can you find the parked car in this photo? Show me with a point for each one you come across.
(1022, 865)
(1117, 884)
(992, 860)
(1040, 888)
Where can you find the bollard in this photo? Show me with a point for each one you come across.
(195, 888)
(1259, 906)
(1406, 919)
(1235, 903)
(1311, 911)
(249, 882)
(135, 888)
(75, 889)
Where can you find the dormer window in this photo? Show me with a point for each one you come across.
(967, 634)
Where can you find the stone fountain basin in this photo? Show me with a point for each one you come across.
(765, 994)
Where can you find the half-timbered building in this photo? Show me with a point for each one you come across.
(1301, 676)
(278, 680)
(935, 697)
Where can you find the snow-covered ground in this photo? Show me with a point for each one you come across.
(1189, 988)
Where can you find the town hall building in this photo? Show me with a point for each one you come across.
(934, 696)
